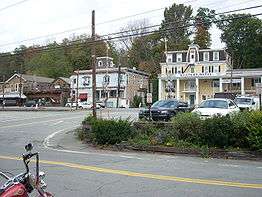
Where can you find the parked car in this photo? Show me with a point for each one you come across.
(30, 103)
(164, 110)
(246, 103)
(216, 106)
(84, 105)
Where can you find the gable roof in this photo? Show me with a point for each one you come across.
(67, 80)
(32, 78)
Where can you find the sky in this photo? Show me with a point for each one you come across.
(38, 18)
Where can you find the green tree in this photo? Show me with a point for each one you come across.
(203, 21)
(176, 26)
(242, 34)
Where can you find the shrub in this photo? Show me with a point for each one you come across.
(238, 137)
(187, 126)
(255, 130)
(111, 131)
(217, 131)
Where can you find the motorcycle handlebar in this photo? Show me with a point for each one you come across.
(26, 161)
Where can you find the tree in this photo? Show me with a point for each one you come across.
(203, 21)
(176, 26)
(242, 34)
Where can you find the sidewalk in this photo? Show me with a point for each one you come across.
(36, 109)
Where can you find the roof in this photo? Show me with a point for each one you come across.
(13, 95)
(33, 78)
(67, 80)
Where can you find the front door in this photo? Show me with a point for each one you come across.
(191, 99)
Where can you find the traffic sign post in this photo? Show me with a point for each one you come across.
(259, 93)
(149, 101)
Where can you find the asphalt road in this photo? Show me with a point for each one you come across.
(80, 171)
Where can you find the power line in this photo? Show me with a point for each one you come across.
(84, 27)
(79, 28)
(13, 5)
(45, 48)
(241, 9)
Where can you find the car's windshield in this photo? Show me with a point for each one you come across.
(214, 104)
(164, 104)
(243, 100)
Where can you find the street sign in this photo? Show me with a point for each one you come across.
(258, 88)
(149, 98)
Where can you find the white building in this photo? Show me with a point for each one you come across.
(132, 82)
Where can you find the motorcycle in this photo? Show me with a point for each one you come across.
(25, 183)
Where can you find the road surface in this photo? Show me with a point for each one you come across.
(80, 171)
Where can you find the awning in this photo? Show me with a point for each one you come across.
(83, 96)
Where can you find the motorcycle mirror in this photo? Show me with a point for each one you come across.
(28, 147)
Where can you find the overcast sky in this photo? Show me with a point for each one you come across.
(36, 18)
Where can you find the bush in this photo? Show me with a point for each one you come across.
(255, 130)
(187, 127)
(217, 131)
(111, 131)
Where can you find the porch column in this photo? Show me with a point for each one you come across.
(242, 86)
(220, 85)
(197, 91)
(178, 89)
(159, 89)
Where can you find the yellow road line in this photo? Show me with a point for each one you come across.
(146, 175)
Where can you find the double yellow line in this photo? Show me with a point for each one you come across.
(145, 175)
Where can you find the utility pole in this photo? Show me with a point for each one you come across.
(3, 87)
(77, 87)
(118, 83)
(20, 87)
(93, 55)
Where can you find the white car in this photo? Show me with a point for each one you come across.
(216, 107)
(246, 103)
(81, 105)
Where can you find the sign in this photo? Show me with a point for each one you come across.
(196, 75)
(149, 97)
(259, 88)
(233, 81)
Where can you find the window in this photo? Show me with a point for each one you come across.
(121, 79)
(219, 69)
(216, 55)
(172, 70)
(100, 63)
(216, 69)
(86, 80)
(216, 84)
(112, 94)
(203, 68)
(176, 70)
(166, 70)
(192, 70)
(74, 81)
(106, 79)
(231, 104)
(206, 69)
(206, 56)
(179, 57)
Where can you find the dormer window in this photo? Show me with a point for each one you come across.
(216, 56)
(192, 56)
(100, 63)
(206, 56)
(179, 57)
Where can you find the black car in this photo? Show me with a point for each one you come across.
(164, 110)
